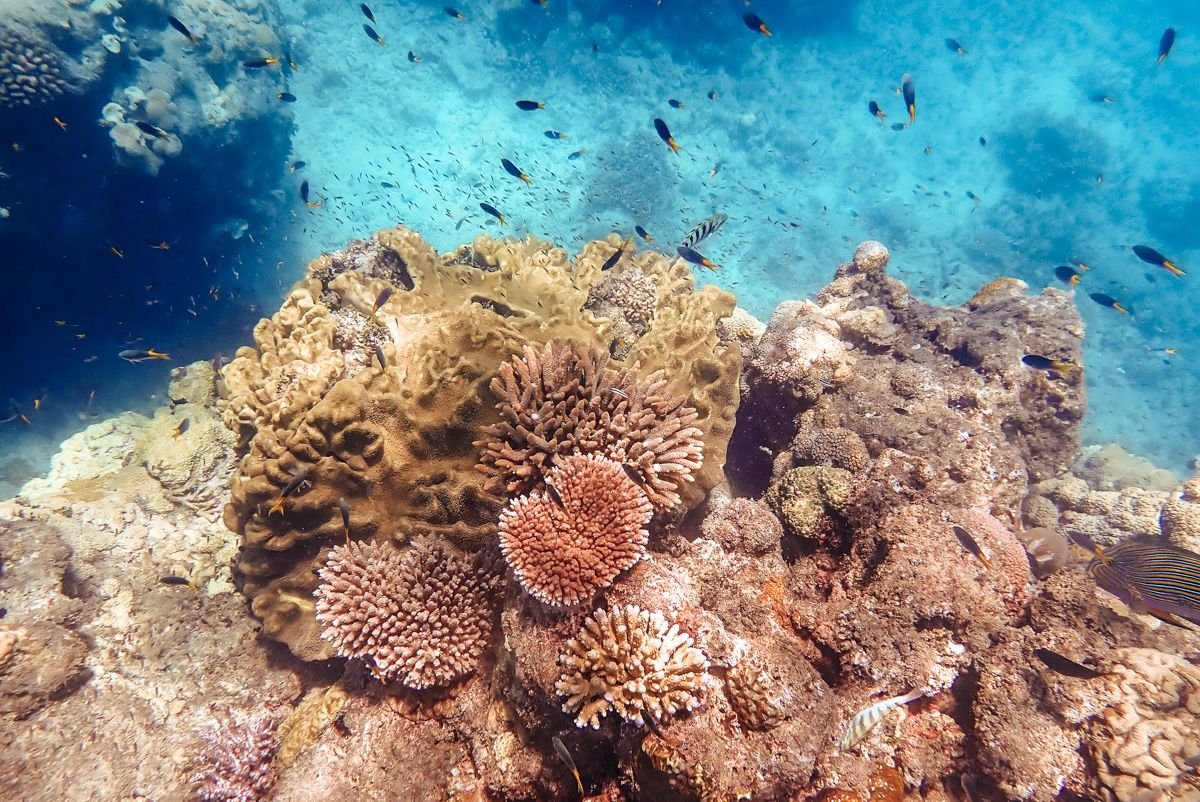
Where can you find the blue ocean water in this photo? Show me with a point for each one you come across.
(1053, 136)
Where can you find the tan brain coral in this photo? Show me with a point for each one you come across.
(396, 441)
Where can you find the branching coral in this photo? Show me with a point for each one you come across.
(629, 298)
(420, 616)
(563, 400)
(631, 661)
(236, 765)
(564, 554)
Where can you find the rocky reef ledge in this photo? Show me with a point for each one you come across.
(459, 524)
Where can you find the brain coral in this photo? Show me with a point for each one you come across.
(565, 401)
(564, 554)
(631, 661)
(30, 73)
(395, 440)
(420, 616)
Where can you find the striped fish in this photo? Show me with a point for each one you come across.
(866, 720)
(1152, 577)
(704, 230)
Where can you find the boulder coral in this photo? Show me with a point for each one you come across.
(396, 439)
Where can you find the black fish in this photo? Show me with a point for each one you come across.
(701, 232)
(898, 126)
(1067, 274)
(515, 171)
(1065, 665)
(414, 58)
(952, 44)
(1153, 257)
(304, 196)
(554, 135)
(530, 105)
(641, 232)
(175, 580)
(1109, 301)
(968, 543)
(381, 299)
(343, 507)
(286, 97)
(561, 750)
(552, 492)
(183, 29)
(695, 257)
(877, 112)
(182, 427)
(259, 63)
(1039, 362)
(494, 212)
(453, 12)
(152, 130)
(675, 104)
(1165, 44)
(297, 166)
(132, 355)
(664, 134)
(374, 37)
(982, 142)
(755, 23)
(910, 97)
(611, 261)
(366, 11)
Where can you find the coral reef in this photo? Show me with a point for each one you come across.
(564, 554)
(236, 765)
(756, 696)
(29, 73)
(804, 498)
(632, 662)
(420, 616)
(303, 402)
(742, 525)
(564, 401)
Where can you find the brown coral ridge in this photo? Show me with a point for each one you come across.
(944, 385)
(565, 401)
(395, 440)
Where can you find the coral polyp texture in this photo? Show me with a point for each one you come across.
(420, 616)
(564, 400)
(236, 763)
(395, 440)
(632, 662)
(30, 73)
(564, 554)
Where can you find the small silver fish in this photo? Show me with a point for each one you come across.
(865, 720)
(704, 230)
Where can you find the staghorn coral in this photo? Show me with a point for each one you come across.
(1142, 743)
(30, 73)
(563, 555)
(236, 765)
(396, 442)
(565, 401)
(420, 616)
(631, 661)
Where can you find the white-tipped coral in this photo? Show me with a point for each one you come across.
(631, 661)
(419, 616)
(564, 554)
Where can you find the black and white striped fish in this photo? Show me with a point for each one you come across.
(704, 230)
(1151, 577)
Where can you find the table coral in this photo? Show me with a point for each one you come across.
(564, 554)
(633, 662)
(395, 441)
(421, 616)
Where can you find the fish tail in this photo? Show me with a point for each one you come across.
(1173, 268)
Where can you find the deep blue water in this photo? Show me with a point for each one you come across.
(1020, 122)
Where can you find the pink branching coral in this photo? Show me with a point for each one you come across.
(236, 765)
(634, 662)
(563, 401)
(420, 616)
(564, 554)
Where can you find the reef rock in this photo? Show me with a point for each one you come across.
(941, 385)
(395, 438)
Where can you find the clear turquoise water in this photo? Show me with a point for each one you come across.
(805, 172)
